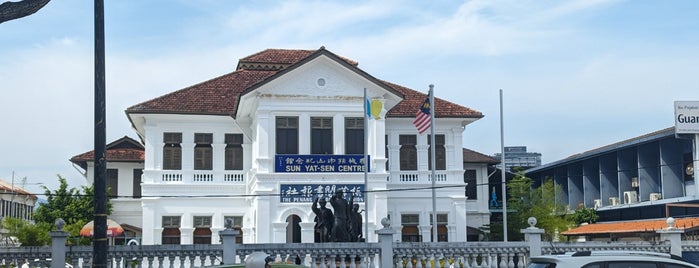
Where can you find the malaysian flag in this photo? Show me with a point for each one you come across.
(422, 119)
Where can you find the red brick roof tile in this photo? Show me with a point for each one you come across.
(220, 95)
(414, 99)
(122, 150)
(632, 226)
(476, 157)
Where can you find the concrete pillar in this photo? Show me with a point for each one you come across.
(386, 242)
(673, 235)
(532, 236)
(228, 237)
(58, 245)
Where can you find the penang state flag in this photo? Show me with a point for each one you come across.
(422, 119)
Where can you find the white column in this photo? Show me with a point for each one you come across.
(186, 235)
(307, 232)
(458, 220)
(426, 232)
(153, 148)
(219, 156)
(151, 227)
(279, 232)
(263, 149)
(304, 134)
(422, 157)
(187, 154)
(338, 134)
(264, 209)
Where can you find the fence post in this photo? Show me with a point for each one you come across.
(386, 242)
(58, 245)
(673, 235)
(533, 236)
(228, 237)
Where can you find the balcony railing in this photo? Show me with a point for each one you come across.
(425, 177)
(195, 176)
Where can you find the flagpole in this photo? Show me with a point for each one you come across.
(433, 154)
(502, 173)
(366, 169)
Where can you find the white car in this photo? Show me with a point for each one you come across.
(610, 259)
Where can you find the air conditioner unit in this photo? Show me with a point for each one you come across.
(613, 201)
(655, 196)
(598, 203)
(630, 197)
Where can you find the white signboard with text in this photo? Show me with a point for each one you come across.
(687, 117)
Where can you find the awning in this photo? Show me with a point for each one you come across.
(641, 226)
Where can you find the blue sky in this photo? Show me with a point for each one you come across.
(576, 75)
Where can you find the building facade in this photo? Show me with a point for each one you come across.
(517, 158)
(15, 201)
(642, 178)
(256, 146)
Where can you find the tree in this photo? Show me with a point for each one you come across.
(584, 215)
(544, 203)
(75, 206)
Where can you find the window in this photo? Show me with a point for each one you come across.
(410, 231)
(202, 229)
(234, 152)
(628, 264)
(287, 132)
(237, 225)
(471, 187)
(354, 135)
(440, 153)
(172, 151)
(112, 183)
(137, 173)
(321, 135)
(203, 153)
(408, 152)
(171, 230)
(442, 231)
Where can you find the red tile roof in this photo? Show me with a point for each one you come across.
(9, 187)
(476, 157)
(122, 150)
(632, 226)
(414, 99)
(220, 95)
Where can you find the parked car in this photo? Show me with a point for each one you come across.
(610, 259)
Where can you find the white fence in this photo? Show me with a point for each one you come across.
(385, 253)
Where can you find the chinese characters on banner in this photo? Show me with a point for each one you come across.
(305, 193)
(294, 163)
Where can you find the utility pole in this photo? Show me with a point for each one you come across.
(100, 243)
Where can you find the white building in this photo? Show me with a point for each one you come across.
(258, 144)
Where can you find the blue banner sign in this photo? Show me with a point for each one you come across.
(314, 163)
(305, 193)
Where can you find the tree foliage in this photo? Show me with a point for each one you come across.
(74, 205)
(584, 215)
(543, 202)
(26, 233)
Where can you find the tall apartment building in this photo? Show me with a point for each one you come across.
(517, 158)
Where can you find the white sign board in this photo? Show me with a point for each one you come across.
(687, 117)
